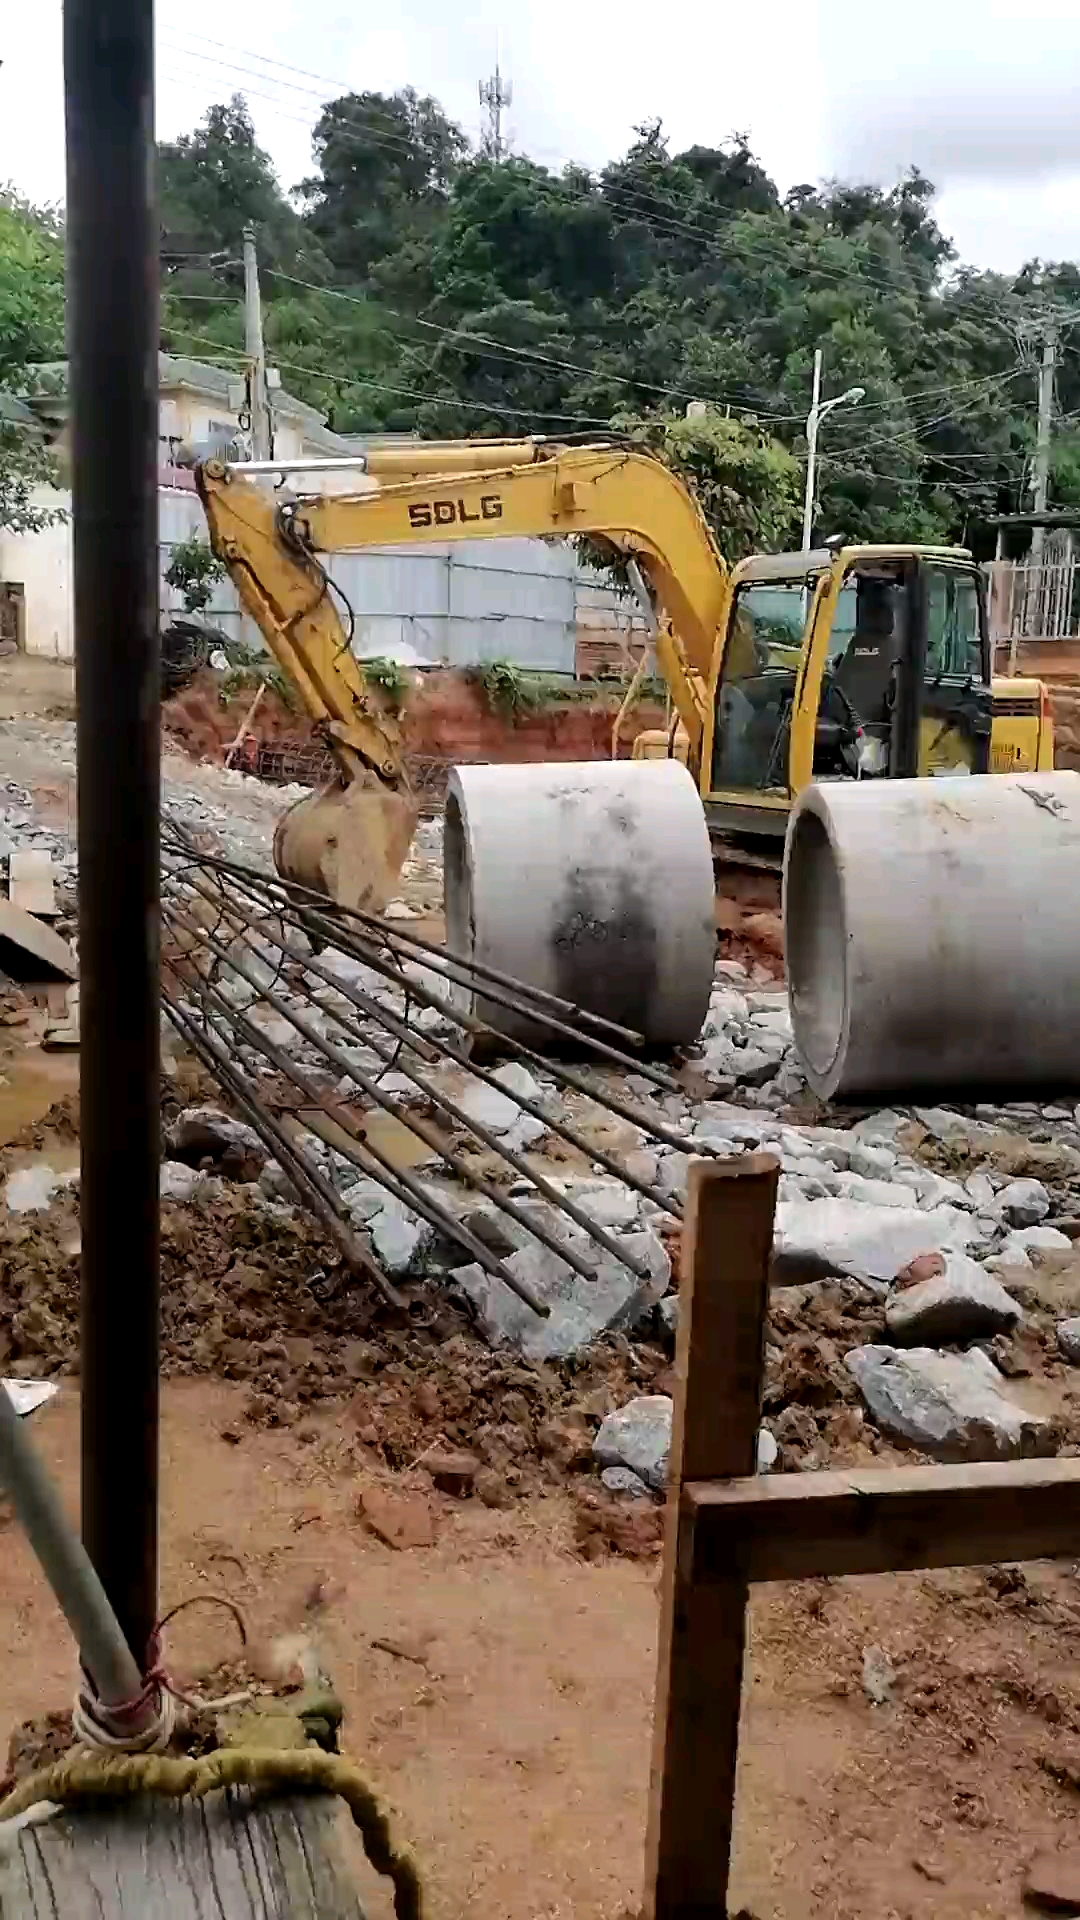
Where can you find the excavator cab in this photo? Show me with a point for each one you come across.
(872, 664)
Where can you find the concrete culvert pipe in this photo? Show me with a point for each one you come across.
(932, 934)
(591, 880)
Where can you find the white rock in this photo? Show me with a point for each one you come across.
(843, 1236)
(525, 1132)
(364, 1200)
(642, 1164)
(1037, 1239)
(206, 1130)
(31, 1189)
(673, 1172)
(775, 1000)
(491, 1108)
(622, 1480)
(517, 1079)
(1068, 1339)
(1024, 1202)
(950, 1405)
(980, 1188)
(608, 1203)
(726, 1004)
(638, 1436)
(181, 1183)
(873, 1193)
(873, 1162)
(774, 1020)
(754, 1065)
(880, 1129)
(399, 1237)
(767, 1450)
(580, 1309)
(963, 1303)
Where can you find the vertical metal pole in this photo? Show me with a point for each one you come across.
(812, 419)
(113, 360)
(256, 352)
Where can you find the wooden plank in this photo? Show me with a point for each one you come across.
(227, 1857)
(883, 1520)
(719, 1362)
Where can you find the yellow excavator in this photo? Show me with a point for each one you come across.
(846, 663)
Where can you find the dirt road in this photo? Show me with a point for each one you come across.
(511, 1728)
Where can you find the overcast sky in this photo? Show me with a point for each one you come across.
(981, 94)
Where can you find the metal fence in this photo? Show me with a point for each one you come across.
(527, 601)
(1032, 602)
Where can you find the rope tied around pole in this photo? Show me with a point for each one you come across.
(130, 1726)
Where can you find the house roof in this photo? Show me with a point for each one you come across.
(177, 372)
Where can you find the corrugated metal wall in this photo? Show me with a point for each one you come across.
(519, 600)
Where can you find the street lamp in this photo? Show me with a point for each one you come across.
(818, 409)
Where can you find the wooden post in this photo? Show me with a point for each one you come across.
(727, 1242)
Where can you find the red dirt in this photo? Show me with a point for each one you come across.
(447, 717)
(499, 1688)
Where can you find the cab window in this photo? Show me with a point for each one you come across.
(757, 685)
(953, 635)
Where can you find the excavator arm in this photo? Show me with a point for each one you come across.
(345, 842)
(536, 488)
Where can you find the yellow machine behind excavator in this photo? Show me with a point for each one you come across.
(864, 663)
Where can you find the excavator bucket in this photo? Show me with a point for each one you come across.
(348, 842)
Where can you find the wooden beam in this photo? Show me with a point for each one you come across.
(727, 1241)
(881, 1520)
(229, 1855)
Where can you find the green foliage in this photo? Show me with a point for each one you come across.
(748, 486)
(392, 679)
(31, 287)
(193, 572)
(507, 690)
(25, 465)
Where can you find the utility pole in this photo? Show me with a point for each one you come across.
(1041, 473)
(812, 420)
(495, 94)
(818, 410)
(262, 437)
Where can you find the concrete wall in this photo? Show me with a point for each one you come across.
(42, 563)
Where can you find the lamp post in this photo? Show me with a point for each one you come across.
(818, 410)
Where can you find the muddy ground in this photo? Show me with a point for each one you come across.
(495, 1648)
(507, 1710)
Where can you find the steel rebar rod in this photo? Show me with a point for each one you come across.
(470, 1023)
(323, 1202)
(365, 1003)
(420, 1127)
(455, 970)
(112, 277)
(400, 1182)
(481, 968)
(66, 1564)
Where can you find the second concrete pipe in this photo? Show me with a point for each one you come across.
(932, 934)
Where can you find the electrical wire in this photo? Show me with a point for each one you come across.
(636, 200)
(635, 204)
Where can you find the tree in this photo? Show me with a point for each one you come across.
(386, 162)
(31, 287)
(214, 182)
(747, 484)
(25, 466)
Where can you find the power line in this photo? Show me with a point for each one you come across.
(407, 393)
(504, 350)
(634, 204)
